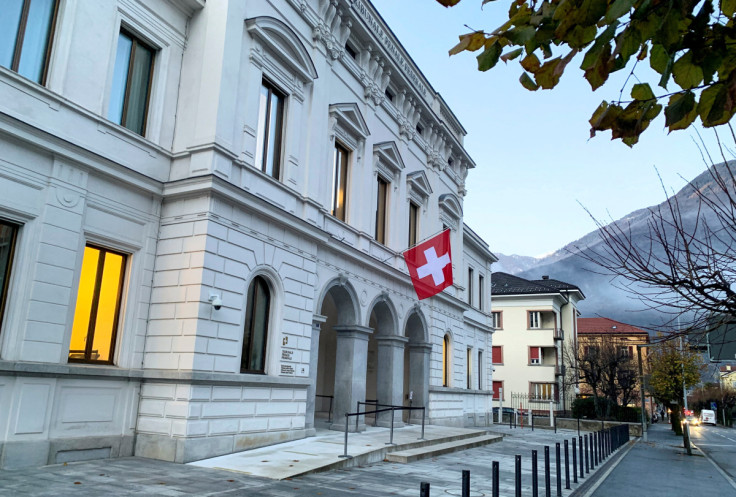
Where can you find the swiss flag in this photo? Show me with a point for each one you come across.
(430, 265)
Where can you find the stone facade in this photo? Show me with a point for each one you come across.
(198, 220)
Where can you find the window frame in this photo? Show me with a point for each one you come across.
(262, 145)
(481, 282)
(471, 275)
(413, 223)
(382, 209)
(496, 395)
(340, 212)
(554, 397)
(446, 353)
(469, 363)
(136, 40)
(531, 321)
(497, 319)
(480, 369)
(89, 342)
(540, 356)
(250, 306)
(499, 348)
(20, 36)
(5, 288)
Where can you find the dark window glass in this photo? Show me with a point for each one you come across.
(470, 369)
(131, 84)
(480, 291)
(255, 336)
(8, 233)
(381, 201)
(389, 95)
(351, 51)
(98, 306)
(470, 286)
(413, 222)
(480, 370)
(446, 362)
(270, 124)
(339, 182)
(26, 27)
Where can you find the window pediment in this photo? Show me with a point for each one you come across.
(279, 38)
(387, 160)
(347, 123)
(451, 211)
(419, 187)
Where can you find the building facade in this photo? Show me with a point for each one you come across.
(203, 212)
(535, 326)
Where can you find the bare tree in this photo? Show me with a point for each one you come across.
(606, 370)
(683, 263)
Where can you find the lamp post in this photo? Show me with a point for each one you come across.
(641, 390)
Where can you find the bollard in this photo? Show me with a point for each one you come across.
(510, 416)
(578, 425)
(574, 462)
(567, 467)
(593, 459)
(535, 475)
(466, 483)
(558, 467)
(495, 479)
(547, 487)
(555, 424)
(518, 475)
(345, 454)
(587, 465)
(531, 418)
(424, 489)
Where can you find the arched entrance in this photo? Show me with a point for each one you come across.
(416, 365)
(385, 358)
(337, 334)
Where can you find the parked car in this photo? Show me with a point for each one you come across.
(708, 417)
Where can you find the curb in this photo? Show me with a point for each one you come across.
(594, 480)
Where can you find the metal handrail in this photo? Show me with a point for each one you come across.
(385, 409)
(331, 397)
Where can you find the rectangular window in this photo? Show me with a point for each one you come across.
(413, 223)
(381, 202)
(26, 29)
(98, 306)
(470, 369)
(535, 355)
(339, 182)
(8, 234)
(480, 370)
(497, 354)
(480, 291)
(535, 319)
(131, 83)
(497, 390)
(497, 321)
(470, 286)
(270, 126)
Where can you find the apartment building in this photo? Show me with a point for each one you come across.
(203, 212)
(535, 323)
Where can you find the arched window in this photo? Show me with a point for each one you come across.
(446, 361)
(255, 335)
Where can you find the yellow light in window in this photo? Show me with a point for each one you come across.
(107, 307)
(85, 295)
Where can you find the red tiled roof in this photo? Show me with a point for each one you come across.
(598, 326)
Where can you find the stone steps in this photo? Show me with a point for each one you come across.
(437, 449)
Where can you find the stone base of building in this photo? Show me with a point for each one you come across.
(184, 450)
(15, 455)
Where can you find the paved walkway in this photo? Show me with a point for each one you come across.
(661, 467)
(137, 476)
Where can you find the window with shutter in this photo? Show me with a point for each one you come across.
(535, 355)
(497, 353)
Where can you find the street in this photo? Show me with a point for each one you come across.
(719, 444)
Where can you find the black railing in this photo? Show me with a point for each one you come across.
(379, 409)
(594, 449)
(329, 412)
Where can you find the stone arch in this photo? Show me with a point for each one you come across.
(345, 298)
(383, 317)
(417, 355)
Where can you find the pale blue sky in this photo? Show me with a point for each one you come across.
(534, 158)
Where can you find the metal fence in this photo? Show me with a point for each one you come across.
(588, 451)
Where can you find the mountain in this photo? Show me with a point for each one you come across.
(604, 297)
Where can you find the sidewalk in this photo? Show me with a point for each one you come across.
(660, 467)
(137, 476)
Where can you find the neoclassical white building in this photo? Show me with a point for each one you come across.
(203, 210)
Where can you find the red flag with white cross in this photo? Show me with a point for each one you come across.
(430, 265)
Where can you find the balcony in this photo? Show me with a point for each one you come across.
(559, 333)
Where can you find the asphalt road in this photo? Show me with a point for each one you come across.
(719, 444)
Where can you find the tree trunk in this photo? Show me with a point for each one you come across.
(675, 420)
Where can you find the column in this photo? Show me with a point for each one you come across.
(351, 363)
(317, 321)
(390, 376)
(419, 354)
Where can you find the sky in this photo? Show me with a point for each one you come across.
(537, 169)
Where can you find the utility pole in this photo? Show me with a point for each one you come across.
(641, 390)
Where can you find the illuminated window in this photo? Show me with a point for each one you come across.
(381, 203)
(255, 336)
(98, 306)
(8, 233)
(446, 361)
(543, 391)
(339, 182)
(270, 125)
(131, 83)
(413, 223)
(26, 29)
